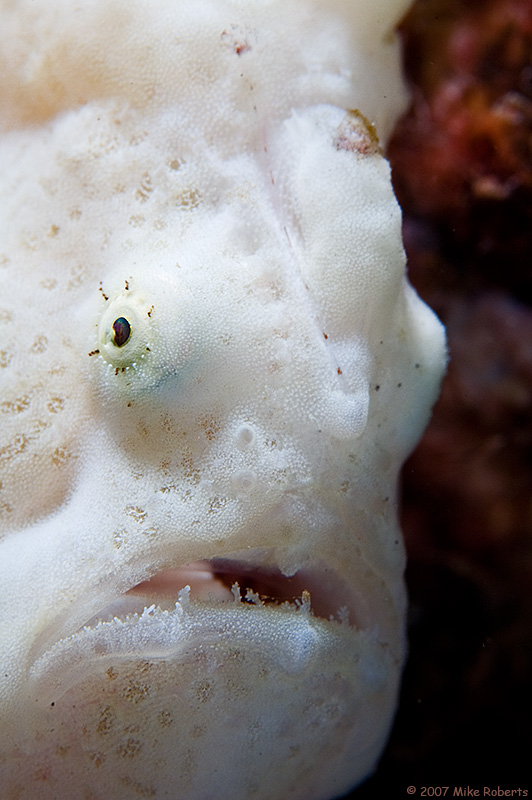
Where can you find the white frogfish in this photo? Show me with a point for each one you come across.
(212, 366)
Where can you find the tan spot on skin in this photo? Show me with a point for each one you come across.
(165, 719)
(145, 189)
(38, 426)
(5, 358)
(55, 405)
(138, 514)
(112, 674)
(48, 283)
(60, 456)
(15, 406)
(216, 504)
(189, 468)
(97, 759)
(190, 198)
(135, 693)
(106, 721)
(130, 748)
(203, 692)
(119, 538)
(14, 448)
(210, 427)
(39, 345)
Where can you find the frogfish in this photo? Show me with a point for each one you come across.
(212, 367)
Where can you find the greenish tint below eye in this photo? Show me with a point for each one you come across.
(122, 331)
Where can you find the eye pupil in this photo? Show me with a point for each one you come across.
(121, 331)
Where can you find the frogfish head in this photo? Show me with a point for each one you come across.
(213, 367)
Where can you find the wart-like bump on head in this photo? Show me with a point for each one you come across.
(203, 427)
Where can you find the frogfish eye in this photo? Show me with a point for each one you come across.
(125, 329)
(121, 331)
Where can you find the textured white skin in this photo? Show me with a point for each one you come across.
(195, 170)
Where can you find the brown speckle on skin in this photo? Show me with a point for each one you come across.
(165, 719)
(106, 721)
(119, 537)
(60, 456)
(15, 406)
(216, 504)
(130, 748)
(210, 427)
(145, 189)
(97, 759)
(203, 692)
(55, 405)
(39, 345)
(16, 446)
(189, 198)
(135, 693)
(237, 39)
(138, 514)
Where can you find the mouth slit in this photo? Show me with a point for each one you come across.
(167, 616)
(230, 580)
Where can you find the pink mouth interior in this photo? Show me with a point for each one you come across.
(218, 579)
